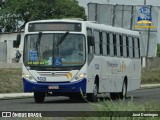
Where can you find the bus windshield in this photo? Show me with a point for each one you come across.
(54, 50)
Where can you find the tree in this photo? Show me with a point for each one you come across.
(158, 50)
(14, 11)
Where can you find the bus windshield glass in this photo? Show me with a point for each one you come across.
(54, 50)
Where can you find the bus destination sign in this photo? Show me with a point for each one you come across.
(54, 26)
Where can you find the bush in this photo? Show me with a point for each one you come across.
(158, 50)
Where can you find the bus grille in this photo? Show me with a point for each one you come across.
(56, 74)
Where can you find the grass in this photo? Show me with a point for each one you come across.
(122, 107)
(10, 80)
(150, 76)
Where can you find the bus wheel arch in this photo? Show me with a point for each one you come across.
(126, 80)
(123, 94)
(96, 81)
(93, 96)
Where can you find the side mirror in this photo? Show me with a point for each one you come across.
(17, 42)
(91, 41)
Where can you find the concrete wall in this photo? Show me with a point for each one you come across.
(9, 38)
(3, 51)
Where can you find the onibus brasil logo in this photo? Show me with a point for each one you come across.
(144, 19)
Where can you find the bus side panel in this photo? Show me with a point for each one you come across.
(94, 68)
(135, 82)
(110, 71)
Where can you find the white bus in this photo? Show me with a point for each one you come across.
(69, 57)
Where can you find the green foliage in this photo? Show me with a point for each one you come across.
(122, 108)
(29, 10)
(158, 50)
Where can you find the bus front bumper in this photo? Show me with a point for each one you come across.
(67, 87)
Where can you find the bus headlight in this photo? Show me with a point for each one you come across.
(28, 76)
(80, 76)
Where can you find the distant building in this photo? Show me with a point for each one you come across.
(7, 52)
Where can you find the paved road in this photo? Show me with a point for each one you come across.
(64, 104)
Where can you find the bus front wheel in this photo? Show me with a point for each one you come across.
(39, 97)
(93, 96)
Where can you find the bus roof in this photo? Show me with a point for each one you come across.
(108, 28)
(94, 25)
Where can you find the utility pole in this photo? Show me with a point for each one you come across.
(144, 2)
(147, 52)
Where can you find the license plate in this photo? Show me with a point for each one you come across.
(53, 87)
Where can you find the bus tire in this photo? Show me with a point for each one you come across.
(39, 97)
(113, 96)
(93, 96)
(120, 95)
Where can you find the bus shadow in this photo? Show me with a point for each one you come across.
(84, 100)
(65, 100)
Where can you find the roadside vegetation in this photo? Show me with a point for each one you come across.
(10, 80)
(158, 50)
(150, 76)
(14, 11)
(121, 109)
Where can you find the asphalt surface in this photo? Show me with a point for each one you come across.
(64, 104)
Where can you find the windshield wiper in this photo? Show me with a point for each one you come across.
(62, 39)
(38, 43)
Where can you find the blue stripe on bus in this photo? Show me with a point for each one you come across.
(71, 87)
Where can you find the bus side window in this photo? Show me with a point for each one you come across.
(133, 47)
(111, 44)
(101, 43)
(114, 44)
(90, 48)
(96, 35)
(124, 39)
(118, 45)
(139, 47)
(136, 49)
(108, 44)
(121, 45)
(130, 48)
(104, 43)
(127, 45)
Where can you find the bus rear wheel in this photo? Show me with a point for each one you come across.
(113, 96)
(93, 96)
(120, 95)
(39, 97)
